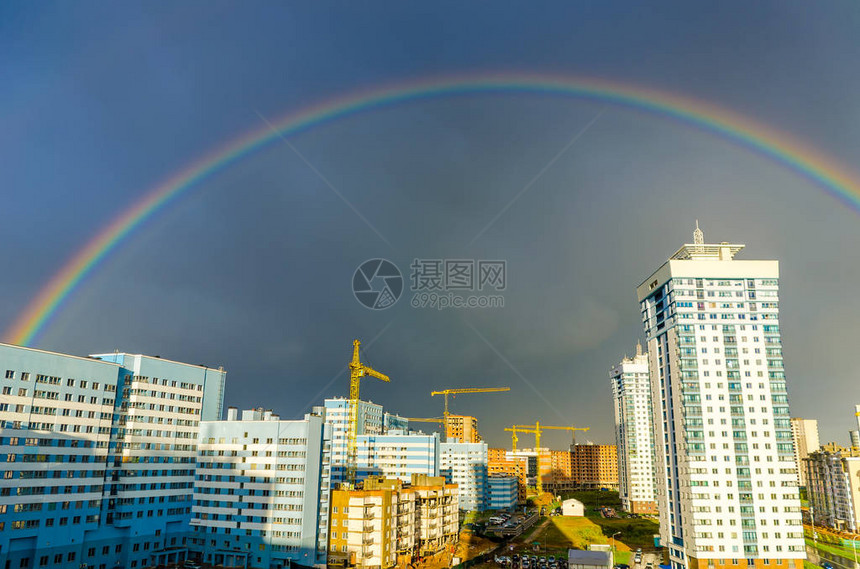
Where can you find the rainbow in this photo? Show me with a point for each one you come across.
(768, 142)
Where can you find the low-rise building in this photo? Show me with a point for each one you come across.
(572, 507)
(385, 522)
(577, 559)
(502, 491)
(374, 525)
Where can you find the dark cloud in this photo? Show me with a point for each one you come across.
(251, 269)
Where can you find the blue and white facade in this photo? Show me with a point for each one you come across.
(98, 457)
(261, 492)
(369, 422)
(465, 464)
(726, 477)
(399, 454)
(502, 492)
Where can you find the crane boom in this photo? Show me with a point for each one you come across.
(357, 370)
(460, 391)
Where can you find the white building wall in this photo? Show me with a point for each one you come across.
(465, 464)
(727, 480)
(263, 482)
(634, 430)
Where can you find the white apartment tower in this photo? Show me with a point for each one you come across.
(634, 433)
(726, 476)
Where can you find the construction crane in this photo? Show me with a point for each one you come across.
(357, 370)
(455, 392)
(425, 420)
(536, 430)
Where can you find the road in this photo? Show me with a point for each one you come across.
(817, 556)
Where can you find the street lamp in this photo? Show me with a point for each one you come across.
(612, 542)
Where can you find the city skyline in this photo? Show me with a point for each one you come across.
(251, 268)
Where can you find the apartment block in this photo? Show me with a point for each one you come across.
(438, 514)
(261, 491)
(595, 465)
(374, 525)
(804, 434)
(465, 464)
(462, 428)
(502, 491)
(726, 478)
(558, 472)
(398, 454)
(387, 522)
(634, 434)
(119, 432)
(500, 463)
(833, 486)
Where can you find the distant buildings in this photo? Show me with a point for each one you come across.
(634, 434)
(499, 462)
(465, 464)
(727, 477)
(462, 428)
(804, 433)
(595, 466)
(99, 457)
(833, 486)
(261, 492)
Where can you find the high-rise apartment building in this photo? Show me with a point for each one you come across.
(726, 480)
(465, 464)
(370, 421)
(462, 428)
(634, 434)
(833, 477)
(261, 491)
(119, 432)
(804, 433)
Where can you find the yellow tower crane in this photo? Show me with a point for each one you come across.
(357, 370)
(455, 392)
(536, 430)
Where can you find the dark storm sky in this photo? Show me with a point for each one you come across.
(251, 270)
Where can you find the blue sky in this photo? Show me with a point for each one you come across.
(100, 102)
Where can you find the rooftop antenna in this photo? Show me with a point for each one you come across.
(638, 348)
(698, 236)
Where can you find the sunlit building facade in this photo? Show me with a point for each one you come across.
(98, 457)
(261, 492)
(727, 478)
(634, 433)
